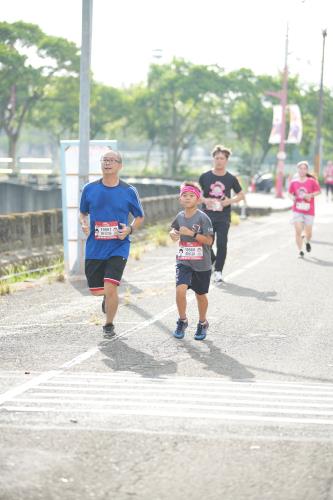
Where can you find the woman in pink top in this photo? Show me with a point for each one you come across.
(303, 188)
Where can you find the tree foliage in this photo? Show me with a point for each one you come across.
(29, 59)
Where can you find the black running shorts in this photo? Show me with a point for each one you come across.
(100, 271)
(198, 281)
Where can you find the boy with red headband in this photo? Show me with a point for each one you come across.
(193, 229)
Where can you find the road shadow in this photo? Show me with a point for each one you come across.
(327, 243)
(216, 361)
(242, 291)
(146, 315)
(121, 357)
(292, 374)
(319, 262)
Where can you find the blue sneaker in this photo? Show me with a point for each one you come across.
(201, 332)
(180, 329)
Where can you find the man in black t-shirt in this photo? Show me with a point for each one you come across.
(216, 185)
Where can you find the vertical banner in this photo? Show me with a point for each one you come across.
(70, 191)
(295, 126)
(275, 136)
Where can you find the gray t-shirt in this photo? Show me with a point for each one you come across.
(191, 252)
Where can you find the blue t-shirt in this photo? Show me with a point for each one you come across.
(107, 207)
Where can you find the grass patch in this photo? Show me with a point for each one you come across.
(18, 273)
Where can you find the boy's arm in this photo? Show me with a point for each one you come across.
(204, 239)
(174, 232)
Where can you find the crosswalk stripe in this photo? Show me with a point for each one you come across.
(249, 387)
(182, 406)
(129, 394)
(181, 414)
(49, 396)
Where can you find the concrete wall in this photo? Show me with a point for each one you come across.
(30, 230)
(24, 198)
(41, 229)
(18, 198)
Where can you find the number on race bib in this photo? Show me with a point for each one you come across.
(190, 251)
(106, 230)
(302, 205)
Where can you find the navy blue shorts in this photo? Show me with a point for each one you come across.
(98, 271)
(198, 281)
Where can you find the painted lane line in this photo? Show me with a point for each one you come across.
(105, 399)
(114, 391)
(251, 389)
(156, 413)
(201, 380)
(199, 406)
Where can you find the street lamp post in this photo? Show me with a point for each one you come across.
(317, 158)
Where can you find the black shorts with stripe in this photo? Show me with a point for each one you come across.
(198, 281)
(100, 271)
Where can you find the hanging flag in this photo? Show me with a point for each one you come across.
(295, 125)
(275, 136)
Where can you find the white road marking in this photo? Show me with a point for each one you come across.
(264, 402)
(182, 415)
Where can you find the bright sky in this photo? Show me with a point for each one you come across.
(230, 33)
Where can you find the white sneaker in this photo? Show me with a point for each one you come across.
(218, 277)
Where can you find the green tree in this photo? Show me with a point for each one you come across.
(181, 103)
(28, 61)
(109, 110)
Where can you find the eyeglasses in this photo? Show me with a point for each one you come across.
(110, 160)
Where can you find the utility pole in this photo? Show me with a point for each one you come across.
(282, 95)
(84, 118)
(318, 148)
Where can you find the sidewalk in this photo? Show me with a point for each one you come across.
(262, 202)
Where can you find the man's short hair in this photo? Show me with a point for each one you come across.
(221, 149)
(110, 150)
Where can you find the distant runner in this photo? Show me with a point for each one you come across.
(217, 185)
(303, 189)
(328, 180)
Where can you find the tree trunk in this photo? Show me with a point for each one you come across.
(148, 153)
(12, 146)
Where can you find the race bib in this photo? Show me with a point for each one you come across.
(106, 230)
(303, 205)
(190, 251)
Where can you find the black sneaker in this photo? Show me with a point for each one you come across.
(201, 332)
(103, 305)
(180, 329)
(301, 254)
(308, 247)
(108, 330)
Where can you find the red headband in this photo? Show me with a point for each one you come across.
(190, 189)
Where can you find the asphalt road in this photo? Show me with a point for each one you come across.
(246, 414)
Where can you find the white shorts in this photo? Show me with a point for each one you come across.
(307, 220)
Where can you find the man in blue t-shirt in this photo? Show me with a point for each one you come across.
(108, 203)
